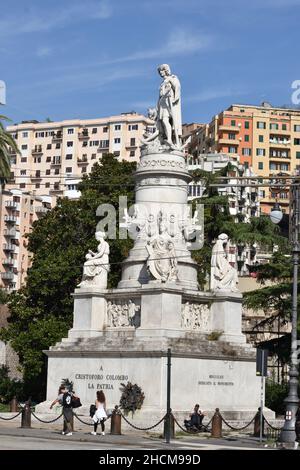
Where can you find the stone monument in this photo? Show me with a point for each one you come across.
(123, 334)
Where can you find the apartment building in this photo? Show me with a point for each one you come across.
(55, 155)
(19, 209)
(266, 138)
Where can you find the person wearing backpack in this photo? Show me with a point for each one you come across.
(64, 398)
(100, 413)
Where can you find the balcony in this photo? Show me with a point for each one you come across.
(11, 219)
(55, 163)
(7, 276)
(280, 132)
(37, 176)
(279, 143)
(37, 151)
(12, 233)
(12, 205)
(228, 128)
(83, 135)
(57, 137)
(82, 160)
(279, 157)
(8, 247)
(227, 141)
(9, 262)
(41, 210)
(131, 145)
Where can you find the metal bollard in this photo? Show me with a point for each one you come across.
(14, 406)
(256, 432)
(26, 415)
(172, 426)
(115, 422)
(216, 425)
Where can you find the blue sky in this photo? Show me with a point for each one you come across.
(87, 59)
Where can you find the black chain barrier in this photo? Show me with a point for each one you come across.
(270, 425)
(46, 422)
(143, 429)
(13, 417)
(237, 429)
(196, 431)
(84, 422)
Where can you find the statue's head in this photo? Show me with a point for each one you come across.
(152, 114)
(163, 70)
(100, 235)
(223, 237)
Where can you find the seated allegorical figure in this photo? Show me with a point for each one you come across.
(96, 267)
(223, 276)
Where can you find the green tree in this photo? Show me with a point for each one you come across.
(6, 141)
(41, 312)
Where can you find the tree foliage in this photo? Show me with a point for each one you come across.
(6, 141)
(41, 312)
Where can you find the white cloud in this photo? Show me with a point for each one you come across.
(43, 51)
(213, 94)
(49, 19)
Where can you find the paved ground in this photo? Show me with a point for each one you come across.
(44, 438)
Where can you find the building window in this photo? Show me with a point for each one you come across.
(22, 185)
(233, 122)
(94, 143)
(231, 136)
(94, 130)
(56, 171)
(83, 169)
(25, 135)
(24, 147)
(49, 146)
(104, 144)
(246, 151)
(70, 143)
(40, 134)
(297, 128)
(297, 154)
(132, 142)
(57, 146)
(133, 127)
(69, 156)
(261, 125)
(84, 143)
(231, 149)
(284, 167)
(48, 159)
(105, 129)
(117, 141)
(47, 172)
(260, 152)
(246, 137)
(37, 185)
(70, 131)
(260, 165)
(132, 153)
(260, 138)
(68, 169)
(37, 159)
(296, 141)
(284, 127)
(23, 159)
(117, 154)
(246, 165)
(272, 166)
(23, 172)
(117, 127)
(274, 126)
(247, 124)
(93, 156)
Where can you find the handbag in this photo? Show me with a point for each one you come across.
(75, 402)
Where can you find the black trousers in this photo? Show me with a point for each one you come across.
(68, 417)
(101, 423)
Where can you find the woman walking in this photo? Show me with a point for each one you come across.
(100, 416)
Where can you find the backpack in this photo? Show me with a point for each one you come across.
(67, 400)
(92, 410)
(75, 402)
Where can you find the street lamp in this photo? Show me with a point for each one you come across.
(287, 436)
(276, 214)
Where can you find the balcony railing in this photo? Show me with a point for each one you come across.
(83, 135)
(37, 151)
(8, 262)
(41, 210)
(11, 219)
(82, 160)
(57, 137)
(8, 247)
(10, 233)
(7, 275)
(12, 205)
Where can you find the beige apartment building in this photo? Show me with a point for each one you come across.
(266, 138)
(55, 155)
(19, 209)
